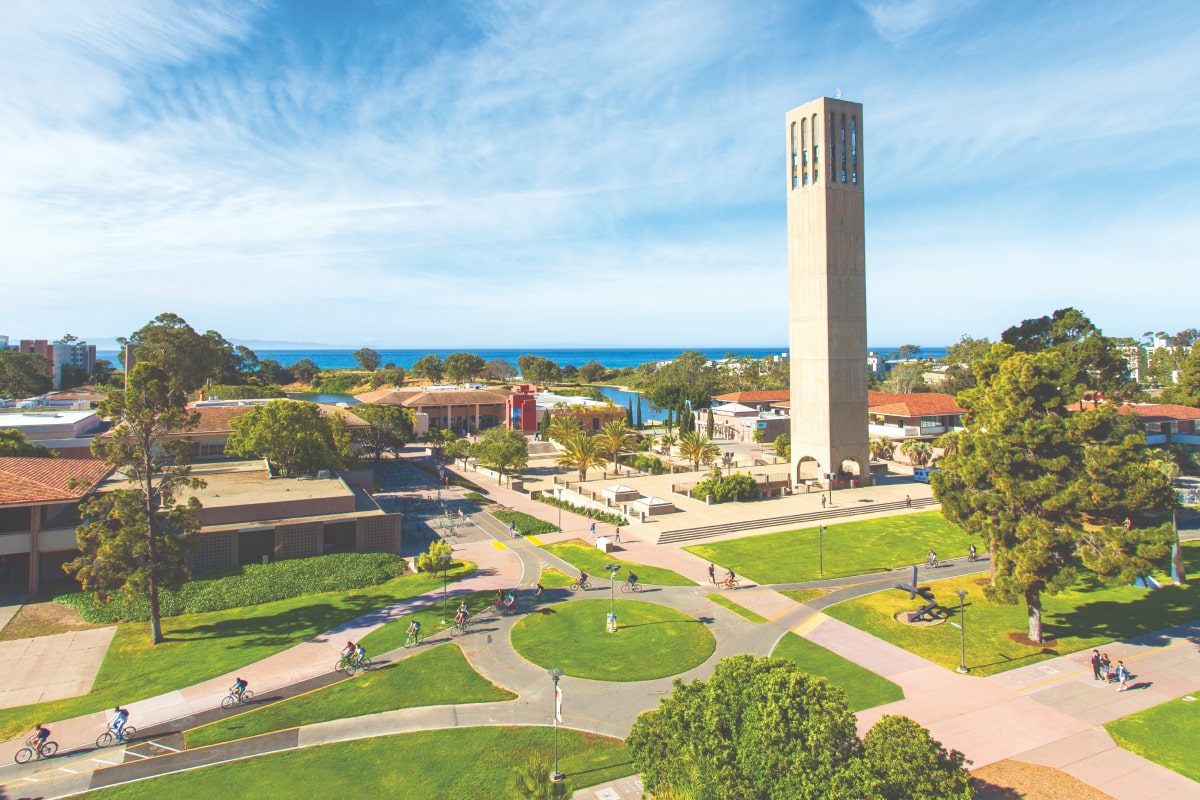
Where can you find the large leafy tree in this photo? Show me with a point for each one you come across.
(581, 452)
(1095, 360)
(690, 377)
(761, 729)
(615, 437)
(188, 358)
(499, 370)
(539, 370)
(135, 539)
(462, 367)
(304, 370)
(295, 437)
(24, 374)
(13, 443)
(501, 449)
(367, 358)
(428, 367)
(1037, 482)
(697, 448)
(391, 427)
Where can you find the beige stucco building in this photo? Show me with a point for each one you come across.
(827, 291)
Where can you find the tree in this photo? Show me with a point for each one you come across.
(639, 413)
(367, 358)
(918, 451)
(1187, 391)
(613, 438)
(709, 424)
(689, 377)
(458, 450)
(563, 427)
(135, 539)
(908, 352)
(428, 367)
(1096, 362)
(760, 729)
(461, 367)
(906, 378)
(14, 444)
(499, 370)
(501, 449)
(438, 558)
(539, 370)
(294, 437)
(783, 446)
(188, 358)
(665, 443)
(1025, 473)
(591, 372)
(581, 452)
(901, 760)
(24, 374)
(391, 376)
(882, 448)
(544, 425)
(304, 370)
(391, 428)
(697, 448)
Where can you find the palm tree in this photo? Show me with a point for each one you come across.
(727, 460)
(948, 442)
(581, 452)
(615, 437)
(698, 448)
(665, 443)
(918, 451)
(563, 427)
(882, 448)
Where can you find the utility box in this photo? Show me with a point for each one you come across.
(604, 544)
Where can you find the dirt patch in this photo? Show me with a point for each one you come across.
(1010, 780)
(44, 619)
(1046, 645)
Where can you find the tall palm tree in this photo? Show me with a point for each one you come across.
(581, 452)
(615, 437)
(727, 460)
(697, 448)
(948, 442)
(918, 451)
(563, 427)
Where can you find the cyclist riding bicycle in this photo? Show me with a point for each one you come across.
(239, 686)
(117, 723)
(583, 576)
(460, 619)
(38, 737)
(537, 591)
(931, 559)
(348, 650)
(971, 552)
(631, 579)
(359, 653)
(729, 577)
(462, 609)
(499, 598)
(510, 599)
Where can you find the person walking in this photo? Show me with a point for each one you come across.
(1096, 664)
(712, 574)
(907, 501)
(1105, 667)
(592, 530)
(617, 535)
(822, 501)
(1122, 676)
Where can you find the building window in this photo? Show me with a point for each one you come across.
(795, 159)
(842, 143)
(831, 136)
(931, 422)
(804, 152)
(816, 150)
(853, 150)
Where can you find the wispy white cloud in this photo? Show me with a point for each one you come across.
(896, 20)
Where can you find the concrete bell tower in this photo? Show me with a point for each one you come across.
(827, 292)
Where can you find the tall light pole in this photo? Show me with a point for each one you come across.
(962, 669)
(831, 476)
(613, 569)
(555, 674)
(558, 497)
(821, 553)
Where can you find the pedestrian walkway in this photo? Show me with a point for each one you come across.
(51, 667)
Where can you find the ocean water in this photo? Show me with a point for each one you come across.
(613, 358)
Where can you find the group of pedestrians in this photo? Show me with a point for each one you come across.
(1103, 670)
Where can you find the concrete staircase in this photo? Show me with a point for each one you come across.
(709, 531)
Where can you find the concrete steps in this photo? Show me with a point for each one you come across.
(708, 531)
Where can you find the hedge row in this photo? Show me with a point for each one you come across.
(247, 586)
(584, 511)
(527, 525)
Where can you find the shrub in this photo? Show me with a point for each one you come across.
(526, 524)
(738, 486)
(478, 497)
(651, 464)
(599, 516)
(247, 586)
(339, 382)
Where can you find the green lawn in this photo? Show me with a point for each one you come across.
(802, 595)
(851, 548)
(554, 579)
(863, 688)
(1165, 734)
(582, 555)
(203, 646)
(1087, 616)
(652, 641)
(742, 611)
(440, 676)
(462, 763)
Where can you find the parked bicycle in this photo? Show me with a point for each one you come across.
(110, 735)
(232, 699)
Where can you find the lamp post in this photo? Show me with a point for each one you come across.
(1178, 573)
(831, 476)
(613, 569)
(555, 674)
(962, 669)
(445, 572)
(821, 553)
(558, 497)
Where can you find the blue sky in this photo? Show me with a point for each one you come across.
(483, 174)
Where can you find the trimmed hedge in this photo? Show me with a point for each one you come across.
(527, 525)
(247, 586)
(738, 486)
(583, 511)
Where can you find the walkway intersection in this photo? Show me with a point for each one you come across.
(1046, 713)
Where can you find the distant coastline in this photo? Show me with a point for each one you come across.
(612, 358)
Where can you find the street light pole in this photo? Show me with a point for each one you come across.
(613, 569)
(962, 669)
(555, 674)
(821, 546)
(832, 475)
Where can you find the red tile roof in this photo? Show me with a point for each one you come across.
(1159, 411)
(770, 396)
(48, 480)
(917, 404)
(417, 398)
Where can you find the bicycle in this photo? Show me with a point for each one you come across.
(584, 585)
(628, 587)
(109, 736)
(461, 627)
(931, 562)
(730, 583)
(231, 699)
(414, 638)
(30, 753)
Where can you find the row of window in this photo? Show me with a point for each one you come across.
(842, 150)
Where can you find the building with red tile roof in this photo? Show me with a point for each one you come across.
(1166, 422)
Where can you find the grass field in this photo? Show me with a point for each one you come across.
(439, 676)
(725, 602)
(463, 763)
(1166, 734)
(1089, 615)
(851, 548)
(582, 555)
(652, 641)
(203, 646)
(863, 688)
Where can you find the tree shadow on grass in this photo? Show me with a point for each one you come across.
(1156, 611)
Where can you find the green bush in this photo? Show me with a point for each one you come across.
(226, 391)
(651, 464)
(526, 524)
(599, 516)
(478, 497)
(738, 486)
(247, 586)
(339, 382)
